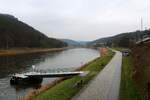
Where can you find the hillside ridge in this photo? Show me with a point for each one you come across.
(15, 33)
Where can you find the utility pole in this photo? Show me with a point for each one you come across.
(141, 24)
(141, 37)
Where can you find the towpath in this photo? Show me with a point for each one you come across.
(106, 84)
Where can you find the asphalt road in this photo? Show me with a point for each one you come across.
(106, 84)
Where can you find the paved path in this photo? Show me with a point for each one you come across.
(107, 83)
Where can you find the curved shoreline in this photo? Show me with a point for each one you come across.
(19, 51)
(36, 92)
(47, 86)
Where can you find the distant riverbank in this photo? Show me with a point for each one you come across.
(18, 51)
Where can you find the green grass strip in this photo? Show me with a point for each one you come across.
(66, 89)
(127, 88)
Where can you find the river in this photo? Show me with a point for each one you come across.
(68, 59)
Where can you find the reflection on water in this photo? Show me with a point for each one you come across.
(21, 63)
(21, 87)
(9, 65)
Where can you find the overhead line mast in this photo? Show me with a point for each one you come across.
(141, 24)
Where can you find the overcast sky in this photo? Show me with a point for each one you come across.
(80, 19)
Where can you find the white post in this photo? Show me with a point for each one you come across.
(33, 68)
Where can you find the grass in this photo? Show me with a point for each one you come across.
(127, 89)
(66, 89)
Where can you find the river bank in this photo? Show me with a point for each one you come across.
(66, 88)
(65, 60)
(19, 51)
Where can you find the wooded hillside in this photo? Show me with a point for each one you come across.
(14, 33)
(123, 39)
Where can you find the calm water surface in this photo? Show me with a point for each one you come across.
(67, 59)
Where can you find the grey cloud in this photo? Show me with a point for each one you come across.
(80, 19)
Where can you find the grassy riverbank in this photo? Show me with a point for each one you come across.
(66, 89)
(17, 51)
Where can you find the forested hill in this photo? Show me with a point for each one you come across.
(14, 33)
(123, 39)
(71, 42)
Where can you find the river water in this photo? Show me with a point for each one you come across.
(68, 59)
